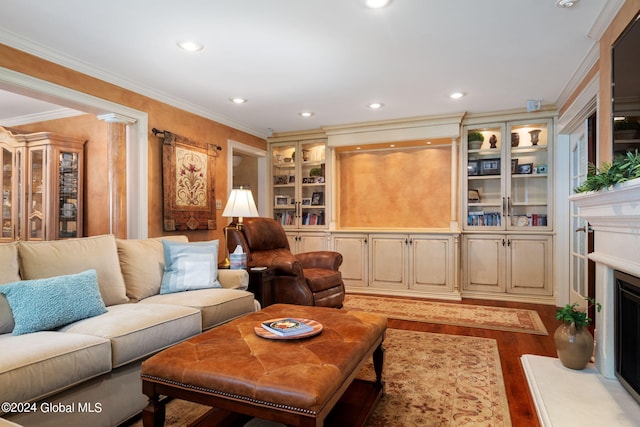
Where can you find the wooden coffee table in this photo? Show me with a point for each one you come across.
(295, 382)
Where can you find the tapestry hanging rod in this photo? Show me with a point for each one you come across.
(158, 132)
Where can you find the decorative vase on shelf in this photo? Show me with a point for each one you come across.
(574, 345)
(515, 139)
(493, 141)
(534, 136)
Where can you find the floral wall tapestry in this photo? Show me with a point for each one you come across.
(188, 184)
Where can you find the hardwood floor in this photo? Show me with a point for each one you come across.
(511, 346)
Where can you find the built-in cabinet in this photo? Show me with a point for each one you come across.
(507, 209)
(399, 263)
(299, 187)
(517, 265)
(42, 184)
(300, 242)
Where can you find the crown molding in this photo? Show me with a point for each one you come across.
(61, 113)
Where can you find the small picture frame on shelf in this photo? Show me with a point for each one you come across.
(317, 198)
(306, 201)
(490, 166)
(281, 201)
(525, 168)
(473, 168)
(514, 166)
(280, 180)
(474, 196)
(292, 179)
(308, 180)
(319, 179)
(541, 169)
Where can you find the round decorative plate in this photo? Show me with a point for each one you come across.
(262, 332)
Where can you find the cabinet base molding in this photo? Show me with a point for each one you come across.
(531, 299)
(448, 296)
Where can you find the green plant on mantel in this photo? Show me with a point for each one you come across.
(622, 169)
(569, 314)
(475, 136)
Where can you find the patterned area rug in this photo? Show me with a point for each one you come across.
(475, 316)
(430, 380)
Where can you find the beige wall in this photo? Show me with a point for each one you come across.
(162, 116)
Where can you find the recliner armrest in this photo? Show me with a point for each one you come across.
(320, 259)
(281, 259)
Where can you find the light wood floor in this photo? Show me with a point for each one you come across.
(511, 345)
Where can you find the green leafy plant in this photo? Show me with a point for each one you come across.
(622, 169)
(315, 172)
(475, 136)
(569, 313)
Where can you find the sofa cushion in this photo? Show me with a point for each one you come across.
(215, 305)
(142, 264)
(190, 266)
(39, 260)
(45, 304)
(138, 330)
(8, 273)
(43, 363)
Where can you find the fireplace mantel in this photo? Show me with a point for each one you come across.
(614, 214)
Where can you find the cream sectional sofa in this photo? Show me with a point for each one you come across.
(88, 372)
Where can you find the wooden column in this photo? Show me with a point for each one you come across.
(117, 180)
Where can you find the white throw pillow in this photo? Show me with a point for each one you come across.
(190, 266)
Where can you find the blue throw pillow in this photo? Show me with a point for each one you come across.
(189, 266)
(45, 304)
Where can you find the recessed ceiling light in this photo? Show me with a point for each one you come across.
(238, 100)
(566, 3)
(191, 46)
(376, 4)
(306, 114)
(456, 95)
(376, 105)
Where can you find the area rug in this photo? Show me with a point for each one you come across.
(475, 316)
(430, 380)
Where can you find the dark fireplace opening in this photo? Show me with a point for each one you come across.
(627, 332)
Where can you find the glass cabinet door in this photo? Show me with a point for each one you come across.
(35, 196)
(486, 201)
(285, 207)
(68, 163)
(528, 187)
(312, 186)
(7, 161)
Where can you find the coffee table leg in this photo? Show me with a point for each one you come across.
(153, 414)
(378, 362)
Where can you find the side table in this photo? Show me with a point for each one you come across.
(260, 283)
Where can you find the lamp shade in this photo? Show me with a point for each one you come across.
(240, 204)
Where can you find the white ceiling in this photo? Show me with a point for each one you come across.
(332, 57)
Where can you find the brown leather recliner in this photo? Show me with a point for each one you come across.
(310, 278)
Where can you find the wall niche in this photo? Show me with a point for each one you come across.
(406, 187)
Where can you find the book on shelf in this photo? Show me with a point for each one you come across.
(481, 218)
(286, 327)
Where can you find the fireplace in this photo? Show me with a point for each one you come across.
(603, 399)
(627, 332)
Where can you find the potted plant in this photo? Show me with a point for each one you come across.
(475, 140)
(622, 169)
(574, 342)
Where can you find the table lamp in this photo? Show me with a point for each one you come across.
(239, 204)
